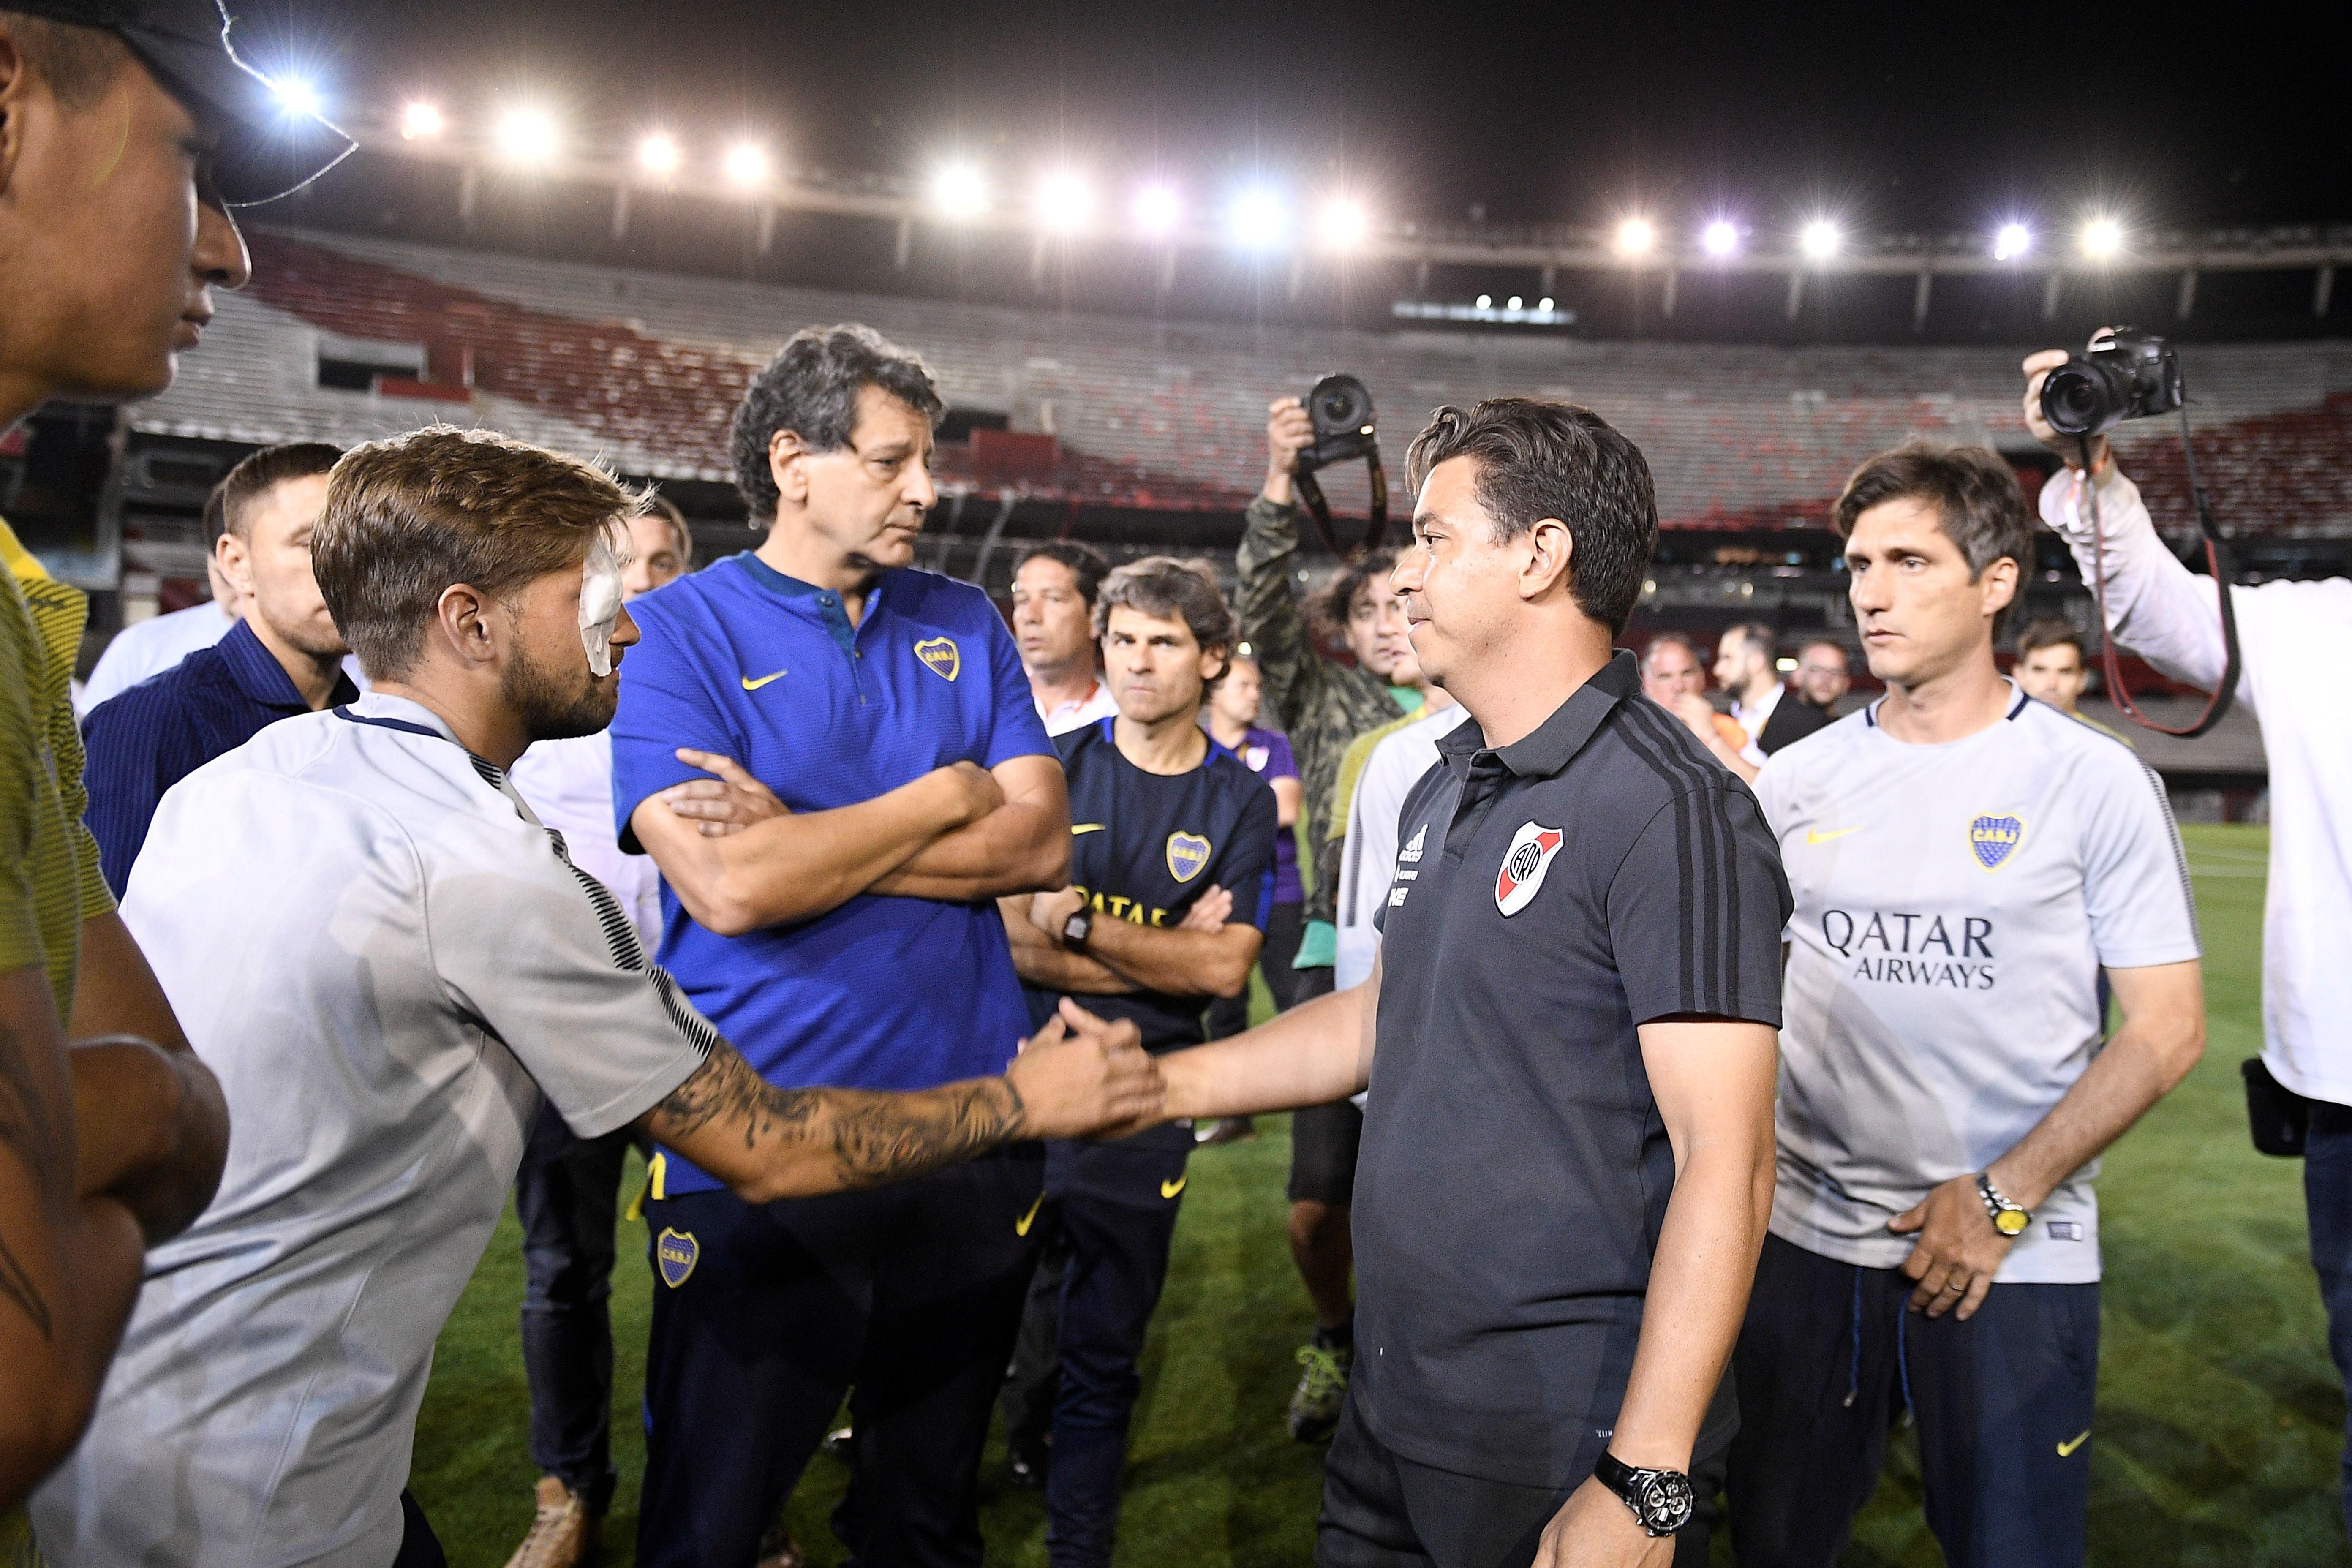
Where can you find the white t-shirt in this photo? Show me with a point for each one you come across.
(151, 647)
(386, 961)
(569, 787)
(1954, 905)
(1076, 714)
(2291, 635)
(1367, 860)
(1752, 717)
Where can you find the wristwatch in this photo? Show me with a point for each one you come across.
(1662, 1499)
(1078, 928)
(2006, 1217)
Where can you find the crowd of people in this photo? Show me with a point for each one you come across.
(1681, 1093)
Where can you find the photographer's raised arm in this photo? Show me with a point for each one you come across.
(1266, 605)
(1077, 1076)
(739, 860)
(1020, 846)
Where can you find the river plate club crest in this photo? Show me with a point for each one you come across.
(1992, 838)
(676, 1253)
(1524, 863)
(1187, 853)
(940, 653)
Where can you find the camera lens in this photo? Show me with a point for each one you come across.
(2078, 399)
(1340, 407)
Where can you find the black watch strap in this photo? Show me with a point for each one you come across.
(1078, 928)
(1662, 1500)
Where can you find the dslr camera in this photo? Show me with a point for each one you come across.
(1342, 408)
(2123, 375)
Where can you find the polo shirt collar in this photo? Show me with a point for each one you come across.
(400, 713)
(262, 679)
(1547, 750)
(824, 601)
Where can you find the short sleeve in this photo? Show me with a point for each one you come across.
(2136, 885)
(667, 701)
(1695, 910)
(1280, 761)
(544, 955)
(1014, 729)
(1248, 874)
(20, 779)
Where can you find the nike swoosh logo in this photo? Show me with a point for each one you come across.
(1020, 1226)
(1820, 837)
(2066, 1448)
(1078, 828)
(1170, 1189)
(751, 685)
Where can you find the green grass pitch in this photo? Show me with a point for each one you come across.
(2220, 1418)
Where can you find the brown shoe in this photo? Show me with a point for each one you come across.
(563, 1534)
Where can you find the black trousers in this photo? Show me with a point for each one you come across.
(567, 1195)
(1383, 1510)
(1228, 1016)
(419, 1547)
(764, 1315)
(1829, 1355)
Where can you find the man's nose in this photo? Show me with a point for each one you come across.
(625, 629)
(220, 259)
(921, 491)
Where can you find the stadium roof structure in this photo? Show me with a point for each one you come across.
(346, 339)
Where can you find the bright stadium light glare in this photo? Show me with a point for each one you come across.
(1256, 219)
(1635, 236)
(421, 119)
(1720, 239)
(1819, 239)
(1066, 203)
(1158, 211)
(297, 97)
(958, 192)
(658, 155)
(2013, 241)
(528, 136)
(1544, 304)
(746, 163)
(1485, 301)
(1344, 223)
(1513, 303)
(2103, 239)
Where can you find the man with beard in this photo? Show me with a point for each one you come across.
(284, 656)
(388, 961)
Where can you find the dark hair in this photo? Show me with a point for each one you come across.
(1088, 566)
(409, 518)
(659, 505)
(1680, 639)
(1759, 638)
(257, 474)
(1332, 603)
(811, 388)
(1975, 494)
(1542, 459)
(79, 63)
(1168, 589)
(2050, 633)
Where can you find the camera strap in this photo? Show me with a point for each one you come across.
(2217, 560)
(1310, 496)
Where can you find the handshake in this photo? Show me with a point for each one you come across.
(1085, 1077)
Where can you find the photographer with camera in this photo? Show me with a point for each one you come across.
(2286, 634)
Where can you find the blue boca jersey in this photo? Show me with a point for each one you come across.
(1143, 846)
(739, 659)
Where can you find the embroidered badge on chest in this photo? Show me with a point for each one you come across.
(1992, 839)
(675, 1252)
(1187, 853)
(939, 654)
(1525, 864)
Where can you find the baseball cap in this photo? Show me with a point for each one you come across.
(268, 149)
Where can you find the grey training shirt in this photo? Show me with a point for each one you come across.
(386, 961)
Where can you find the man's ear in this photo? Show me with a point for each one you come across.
(236, 559)
(463, 621)
(1998, 586)
(1214, 662)
(15, 85)
(787, 465)
(1547, 548)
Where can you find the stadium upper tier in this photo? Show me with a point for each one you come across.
(645, 370)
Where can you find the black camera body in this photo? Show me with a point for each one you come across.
(1341, 409)
(2126, 374)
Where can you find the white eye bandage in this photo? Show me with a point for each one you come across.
(600, 603)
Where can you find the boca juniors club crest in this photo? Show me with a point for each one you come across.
(939, 654)
(1992, 838)
(1187, 853)
(1529, 857)
(676, 1253)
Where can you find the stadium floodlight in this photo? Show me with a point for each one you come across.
(1720, 239)
(1485, 301)
(958, 192)
(1344, 223)
(297, 96)
(2103, 239)
(1256, 219)
(1636, 236)
(658, 155)
(746, 165)
(1066, 203)
(528, 137)
(421, 119)
(1819, 239)
(1158, 211)
(2013, 241)
(1544, 304)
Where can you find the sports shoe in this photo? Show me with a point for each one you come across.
(562, 1533)
(1322, 1390)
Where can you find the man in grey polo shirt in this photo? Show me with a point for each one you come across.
(1568, 1040)
(388, 961)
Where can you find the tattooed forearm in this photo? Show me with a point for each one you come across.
(884, 1136)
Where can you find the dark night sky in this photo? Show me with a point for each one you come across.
(1896, 115)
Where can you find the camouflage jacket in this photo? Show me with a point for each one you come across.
(1320, 705)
